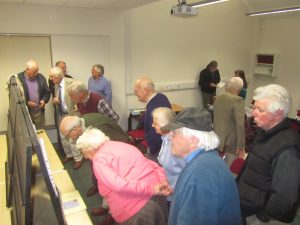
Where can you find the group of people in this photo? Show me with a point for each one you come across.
(182, 179)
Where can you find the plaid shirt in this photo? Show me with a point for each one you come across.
(105, 109)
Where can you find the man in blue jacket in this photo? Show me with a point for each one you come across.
(205, 192)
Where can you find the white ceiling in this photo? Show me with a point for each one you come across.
(253, 5)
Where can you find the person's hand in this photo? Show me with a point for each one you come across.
(55, 101)
(212, 85)
(42, 104)
(32, 104)
(162, 188)
(240, 152)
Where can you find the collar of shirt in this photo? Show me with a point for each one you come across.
(152, 96)
(192, 155)
(83, 124)
(87, 98)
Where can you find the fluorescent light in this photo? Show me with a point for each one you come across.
(206, 2)
(291, 9)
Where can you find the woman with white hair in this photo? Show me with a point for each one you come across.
(132, 185)
(172, 165)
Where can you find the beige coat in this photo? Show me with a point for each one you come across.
(229, 119)
(67, 99)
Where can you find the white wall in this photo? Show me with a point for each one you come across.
(281, 34)
(169, 49)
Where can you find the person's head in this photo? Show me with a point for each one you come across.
(97, 71)
(32, 69)
(144, 88)
(91, 141)
(78, 92)
(271, 105)
(56, 75)
(62, 65)
(71, 128)
(192, 129)
(161, 117)
(234, 85)
(241, 74)
(213, 66)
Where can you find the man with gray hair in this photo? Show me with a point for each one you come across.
(64, 106)
(205, 192)
(229, 120)
(36, 93)
(99, 84)
(90, 102)
(269, 182)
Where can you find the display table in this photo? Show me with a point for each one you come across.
(4, 211)
(77, 214)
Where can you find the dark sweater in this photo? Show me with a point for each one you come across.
(153, 139)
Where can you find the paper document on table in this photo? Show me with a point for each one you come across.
(221, 84)
(136, 111)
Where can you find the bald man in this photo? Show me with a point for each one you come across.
(144, 89)
(36, 92)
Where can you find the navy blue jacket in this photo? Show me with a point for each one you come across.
(153, 139)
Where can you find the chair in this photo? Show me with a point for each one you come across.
(137, 138)
(237, 165)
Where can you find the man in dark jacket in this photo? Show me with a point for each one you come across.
(269, 182)
(36, 92)
(145, 91)
(208, 80)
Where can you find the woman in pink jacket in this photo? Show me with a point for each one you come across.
(133, 186)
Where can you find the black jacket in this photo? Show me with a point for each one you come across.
(270, 179)
(206, 77)
(43, 89)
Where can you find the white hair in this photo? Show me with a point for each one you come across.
(163, 115)
(91, 140)
(56, 72)
(77, 87)
(145, 83)
(32, 64)
(278, 95)
(235, 84)
(208, 140)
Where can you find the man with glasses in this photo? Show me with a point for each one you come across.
(36, 93)
(71, 127)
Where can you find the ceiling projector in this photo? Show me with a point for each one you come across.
(183, 10)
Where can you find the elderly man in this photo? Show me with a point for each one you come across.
(208, 80)
(99, 84)
(90, 102)
(64, 106)
(144, 90)
(36, 93)
(229, 120)
(63, 66)
(72, 127)
(269, 182)
(205, 192)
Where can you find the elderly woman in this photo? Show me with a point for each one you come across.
(172, 165)
(130, 183)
